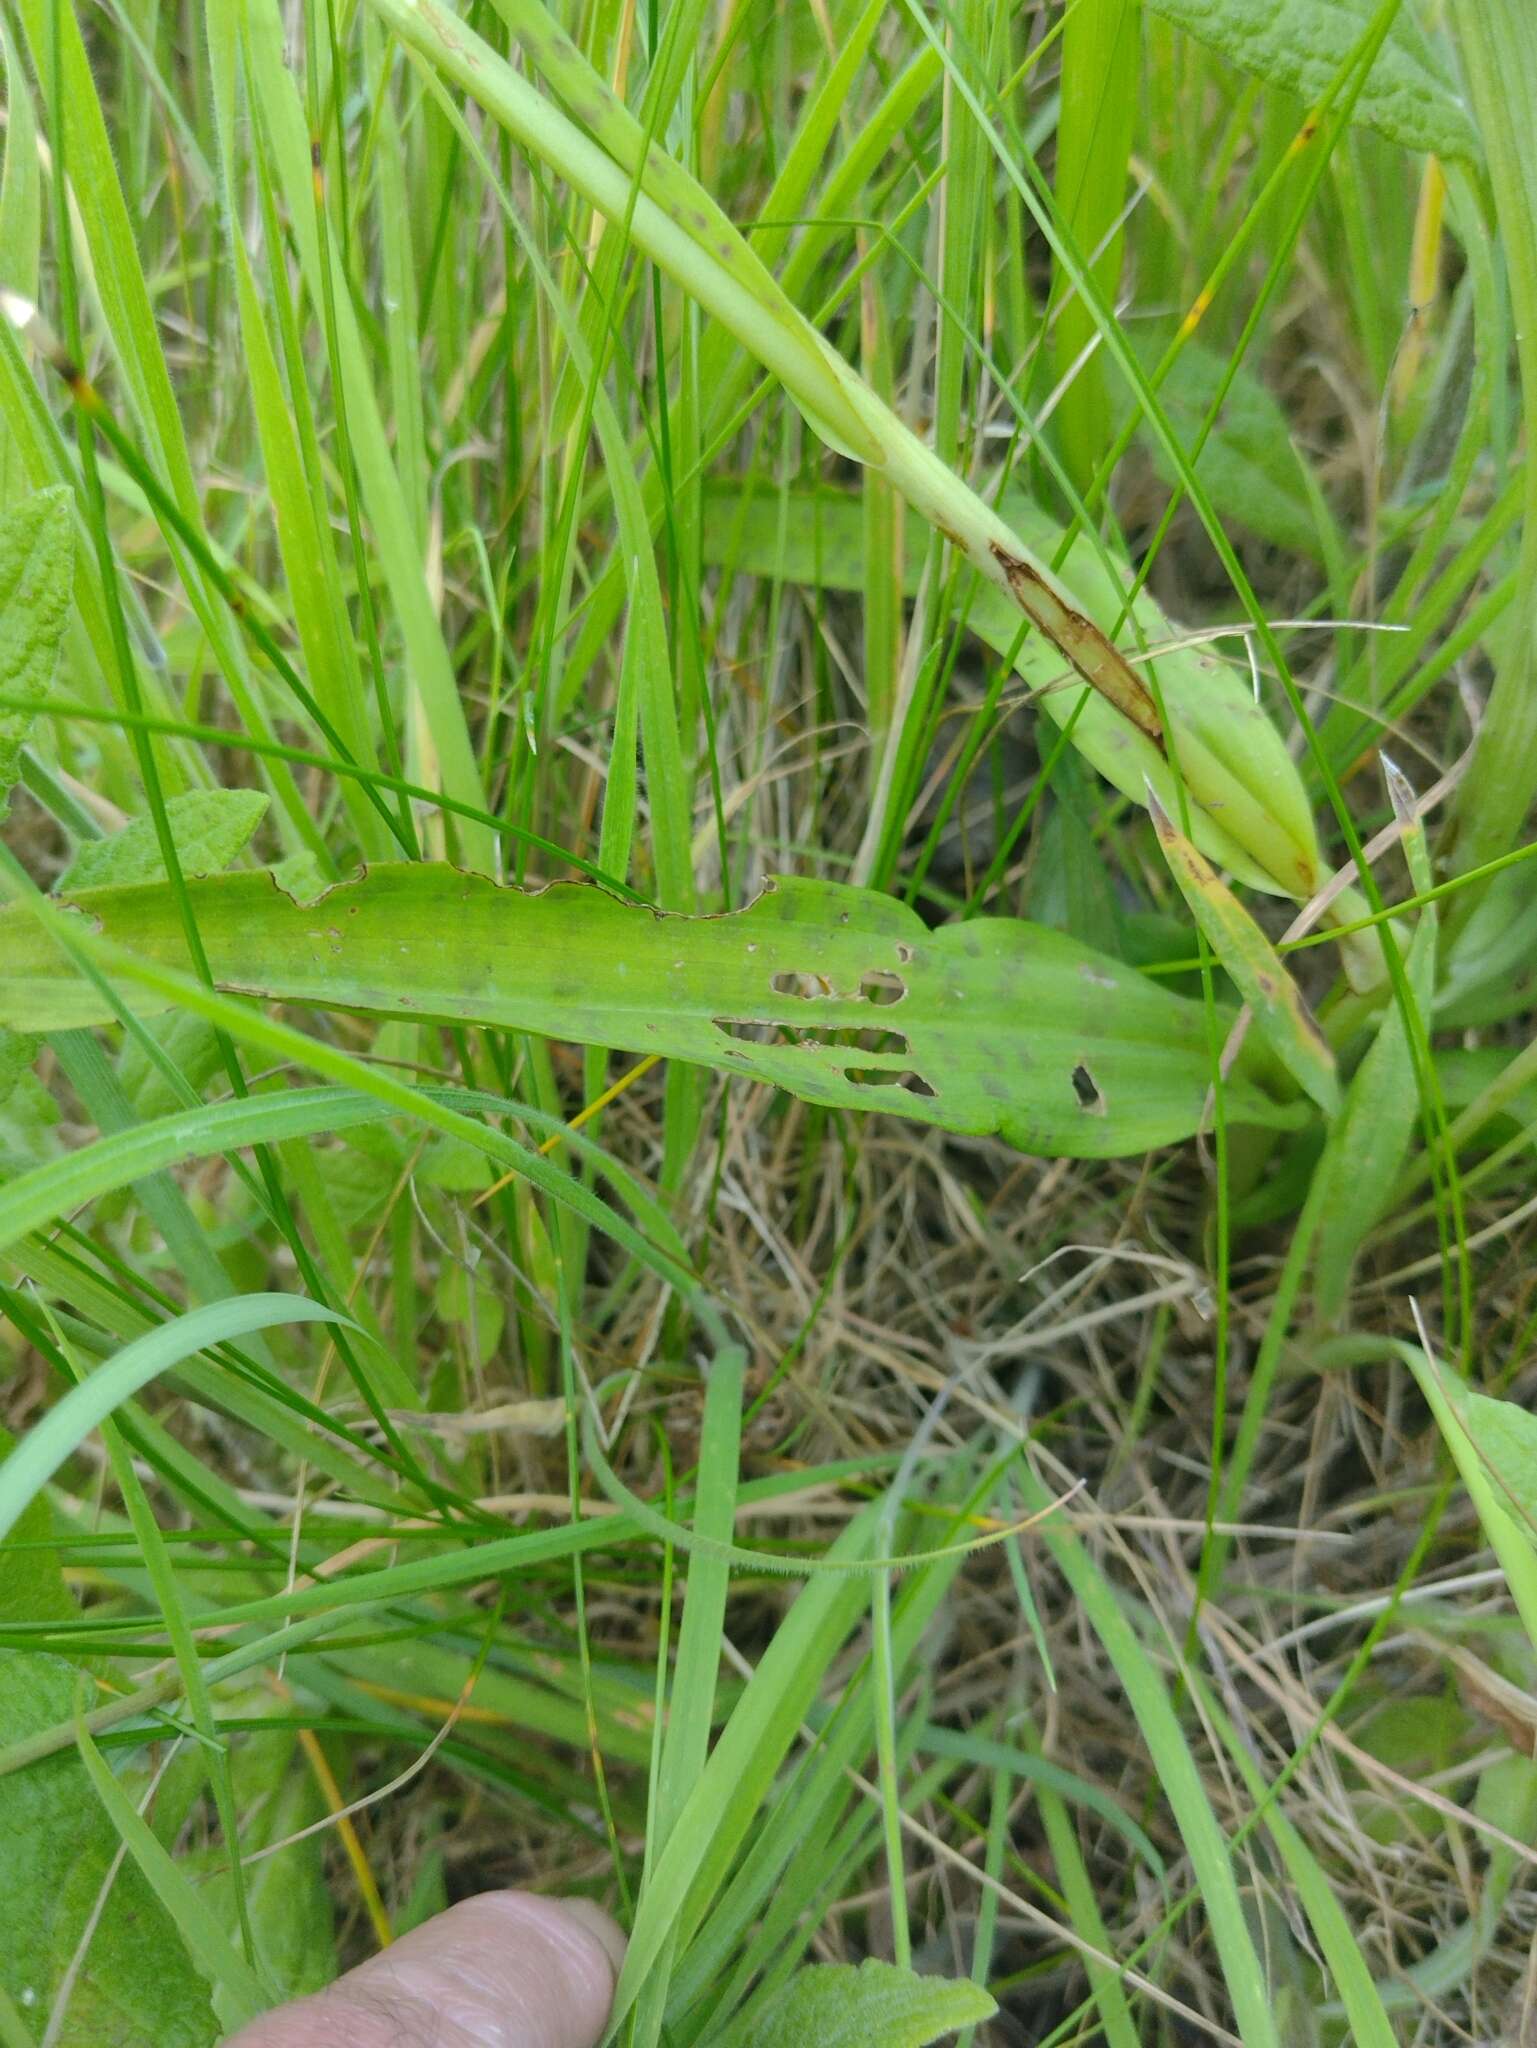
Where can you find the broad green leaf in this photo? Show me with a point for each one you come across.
(1368, 1142)
(1279, 1007)
(237, 1995)
(288, 1901)
(37, 580)
(1235, 762)
(838, 995)
(208, 828)
(190, 1042)
(1302, 45)
(876, 2005)
(299, 876)
(136, 1987)
(29, 1117)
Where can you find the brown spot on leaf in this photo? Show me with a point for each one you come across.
(1101, 664)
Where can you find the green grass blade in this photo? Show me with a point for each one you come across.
(1210, 1854)
(67, 1424)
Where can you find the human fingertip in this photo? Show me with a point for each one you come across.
(509, 1969)
(603, 1925)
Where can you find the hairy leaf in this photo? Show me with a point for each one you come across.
(17, 1053)
(208, 828)
(136, 1986)
(1301, 45)
(36, 584)
(1250, 467)
(838, 995)
(836, 2005)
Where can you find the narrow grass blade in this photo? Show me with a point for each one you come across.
(1210, 1854)
(1362, 2004)
(70, 1421)
(690, 1714)
(1371, 1135)
(1226, 743)
(1101, 67)
(1499, 49)
(401, 565)
(724, 1803)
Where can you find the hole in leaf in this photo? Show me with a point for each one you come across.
(745, 1028)
(882, 1077)
(1086, 1088)
(752, 1032)
(804, 986)
(882, 989)
(879, 986)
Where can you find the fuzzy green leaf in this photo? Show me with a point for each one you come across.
(36, 583)
(1249, 465)
(32, 1584)
(1302, 45)
(838, 995)
(17, 1052)
(136, 1987)
(877, 2005)
(208, 828)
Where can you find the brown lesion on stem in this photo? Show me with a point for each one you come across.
(1100, 663)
